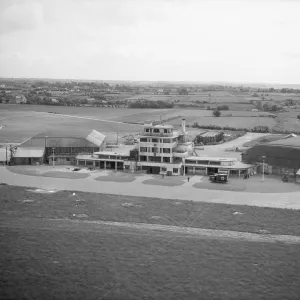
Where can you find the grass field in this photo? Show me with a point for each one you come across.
(171, 212)
(45, 259)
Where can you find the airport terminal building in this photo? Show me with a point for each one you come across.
(161, 149)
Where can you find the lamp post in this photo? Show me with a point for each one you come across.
(53, 156)
(263, 170)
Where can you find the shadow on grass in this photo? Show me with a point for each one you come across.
(68, 175)
(220, 186)
(117, 177)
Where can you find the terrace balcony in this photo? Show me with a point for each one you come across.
(175, 133)
(157, 144)
(158, 154)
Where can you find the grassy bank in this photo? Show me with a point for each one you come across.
(18, 201)
(42, 261)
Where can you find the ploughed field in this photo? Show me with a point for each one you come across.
(49, 250)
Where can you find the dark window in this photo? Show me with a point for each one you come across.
(154, 140)
(143, 158)
(166, 159)
(164, 169)
(143, 139)
(68, 159)
(165, 130)
(156, 130)
(143, 149)
(166, 150)
(175, 170)
(166, 141)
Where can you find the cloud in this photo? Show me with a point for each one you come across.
(18, 16)
(150, 39)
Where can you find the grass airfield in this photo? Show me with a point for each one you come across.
(50, 250)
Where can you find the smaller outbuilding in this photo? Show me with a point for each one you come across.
(209, 137)
(28, 156)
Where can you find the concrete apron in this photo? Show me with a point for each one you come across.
(284, 200)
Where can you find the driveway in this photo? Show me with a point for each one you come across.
(184, 192)
(220, 150)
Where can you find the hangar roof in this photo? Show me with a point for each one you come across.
(83, 138)
(30, 152)
(292, 142)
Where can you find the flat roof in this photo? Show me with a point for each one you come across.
(158, 126)
(210, 133)
(210, 158)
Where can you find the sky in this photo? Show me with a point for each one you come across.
(155, 40)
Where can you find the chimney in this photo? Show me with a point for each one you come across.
(183, 125)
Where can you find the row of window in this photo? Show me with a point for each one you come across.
(155, 150)
(206, 162)
(74, 150)
(155, 140)
(155, 159)
(175, 170)
(157, 130)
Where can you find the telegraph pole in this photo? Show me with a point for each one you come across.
(53, 163)
(263, 172)
(6, 155)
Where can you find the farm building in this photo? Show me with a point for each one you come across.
(280, 156)
(209, 137)
(62, 147)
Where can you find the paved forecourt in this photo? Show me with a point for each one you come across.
(136, 188)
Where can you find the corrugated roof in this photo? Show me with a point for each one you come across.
(96, 138)
(29, 152)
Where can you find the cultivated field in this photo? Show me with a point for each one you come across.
(50, 249)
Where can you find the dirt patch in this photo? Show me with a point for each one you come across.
(42, 191)
(209, 233)
(131, 205)
(27, 201)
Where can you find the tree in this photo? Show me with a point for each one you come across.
(298, 117)
(183, 91)
(266, 107)
(216, 113)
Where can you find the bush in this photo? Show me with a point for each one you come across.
(217, 113)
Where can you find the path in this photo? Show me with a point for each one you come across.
(138, 189)
(219, 150)
(69, 224)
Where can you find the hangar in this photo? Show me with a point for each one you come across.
(280, 156)
(62, 147)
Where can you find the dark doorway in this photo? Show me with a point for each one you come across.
(212, 171)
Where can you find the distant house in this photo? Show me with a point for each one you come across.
(210, 137)
(18, 99)
(54, 100)
(58, 93)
